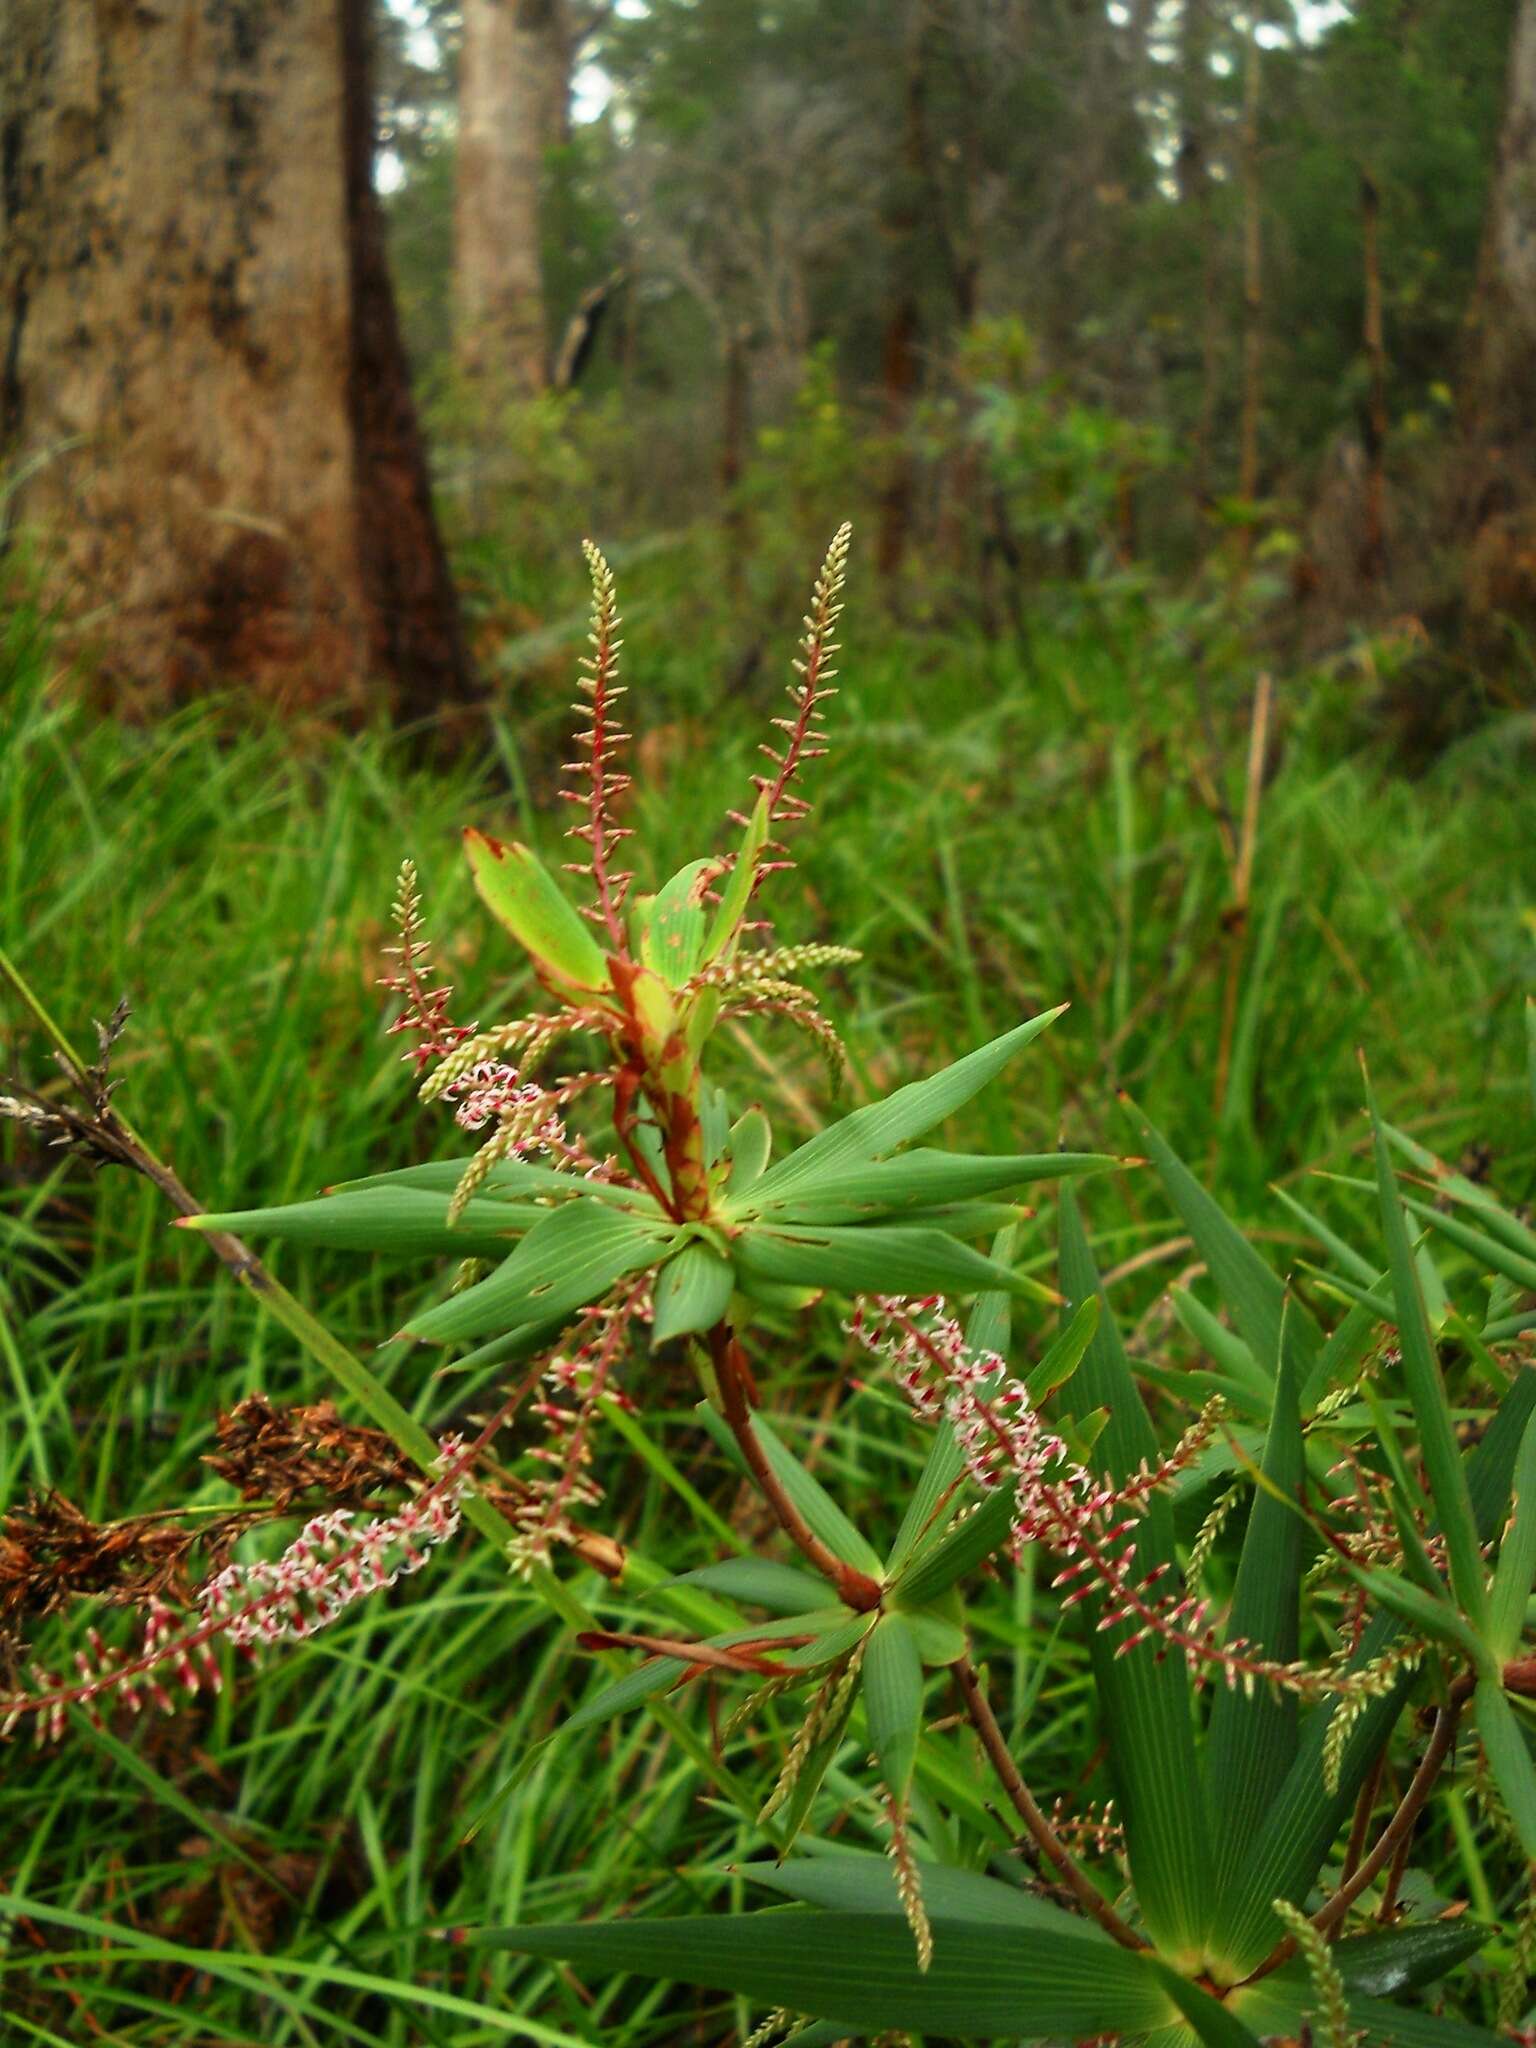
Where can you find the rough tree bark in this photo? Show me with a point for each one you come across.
(1499, 390)
(202, 387)
(514, 105)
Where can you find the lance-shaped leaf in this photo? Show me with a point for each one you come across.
(693, 1291)
(1145, 1695)
(914, 1180)
(571, 1257)
(1252, 1740)
(861, 1969)
(1402, 1958)
(1516, 1572)
(959, 1551)
(521, 894)
(1421, 1372)
(758, 1581)
(1304, 1821)
(1509, 1759)
(1255, 1294)
(987, 1330)
(508, 1180)
(875, 1258)
(407, 1221)
(891, 1679)
(856, 1881)
(1490, 1252)
(881, 1126)
(673, 940)
(751, 1142)
(734, 897)
(1279, 2005)
(820, 1510)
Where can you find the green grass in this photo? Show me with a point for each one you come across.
(997, 834)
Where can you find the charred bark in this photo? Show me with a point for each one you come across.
(204, 397)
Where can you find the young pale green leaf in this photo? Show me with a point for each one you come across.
(1255, 1295)
(693, 1291)
(881, 1126)
(861, 1969)
(959, 1551)
(1421, 1372)
(734, 897)
(1251, 1744)
(572, 1256)
(874, 1258)
(406, 1221)
(1516, 1572)
(521, 894)
(855, 1881)
(673, 941)
(751, 1143)
(891, 1680)
(820, 1510)
(1509, 1759)
(914, 1180)
(759, 1582)
(1145, 1696)
(1065, 1354)
(988, 1329)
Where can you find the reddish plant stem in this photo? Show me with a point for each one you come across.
(1396, 1832)
(855, 1589)
(1040, 1831)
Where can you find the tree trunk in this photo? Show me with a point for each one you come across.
(1499, 397)
(514, 105)
(202, 387)
(1373, 539)
(1253, 289)
(900, 342)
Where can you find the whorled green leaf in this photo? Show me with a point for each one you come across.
(1397, 1959)
(869, 1259)
(861, 1969)
(571, 1257)
(959, 1551)
(508, 1180)
(820, 1510)
(1145, 1696)
(891, 1685)
(693, 1291)
(913, 1180)
(1278, 2006)
(1255, 1294)
(1251, 1743)
(987, 1330)
(856, 1881)
(1508, 1750)
(760, 1582)
(406, 1221)
(1515, 1575)
(521, 894)
(734, 897)
(880, 1127)
(1443, 1463)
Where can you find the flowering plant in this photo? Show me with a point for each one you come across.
(628, 1201)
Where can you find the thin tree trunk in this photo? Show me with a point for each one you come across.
(903, 322)
(1192, 171)
(514, 99)
(203, 389)
(1253, 285)
(1499, 392)
(1373, 542)
(734, 424)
